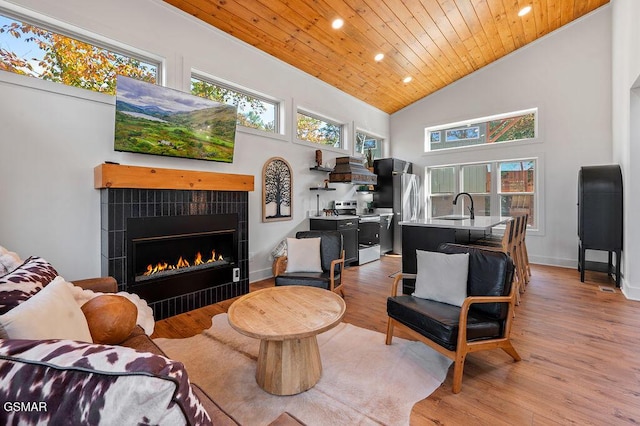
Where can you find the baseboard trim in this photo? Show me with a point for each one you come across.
(552, 261)
(260, 274)
(631, 293)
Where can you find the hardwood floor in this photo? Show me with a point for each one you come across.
(580, 351)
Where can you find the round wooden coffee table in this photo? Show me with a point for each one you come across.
(286, 320)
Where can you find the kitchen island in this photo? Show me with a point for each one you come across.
(428, 234)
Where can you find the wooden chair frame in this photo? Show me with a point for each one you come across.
(463, 347)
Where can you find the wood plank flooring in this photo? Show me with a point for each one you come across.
(580, 351)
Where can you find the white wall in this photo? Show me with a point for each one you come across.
(53, 136)
(626, 130)
(567, 76)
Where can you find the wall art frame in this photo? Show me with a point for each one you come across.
(277, 190)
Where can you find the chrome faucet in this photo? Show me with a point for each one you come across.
(471, 211)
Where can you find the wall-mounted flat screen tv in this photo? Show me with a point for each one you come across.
(152, 119)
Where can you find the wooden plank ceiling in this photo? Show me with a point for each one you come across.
(435, 42)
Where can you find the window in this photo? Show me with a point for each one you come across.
(318, 130)
(366, 142)
(35, 51)
(503, 188)
(509, 127)
(516, 189)
(254, 111)
(442, 189)
(476, 180)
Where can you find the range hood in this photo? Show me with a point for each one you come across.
(351, 170)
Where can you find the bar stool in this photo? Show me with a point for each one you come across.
(525, 254)
(521, 224)
(507, 244)
(511, 244)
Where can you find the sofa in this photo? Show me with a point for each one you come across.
(55, 370)
(76, 381)
(141, 342)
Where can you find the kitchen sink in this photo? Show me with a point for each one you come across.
(452, 217)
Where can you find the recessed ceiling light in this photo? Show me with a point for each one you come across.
(524, 10)
(407, 79)
(379, 57)
(337, 23)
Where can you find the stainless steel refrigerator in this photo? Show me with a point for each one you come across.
(398, 189)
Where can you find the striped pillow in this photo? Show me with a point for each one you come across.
(24, 281)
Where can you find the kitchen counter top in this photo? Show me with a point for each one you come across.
(341, 217)
(480, 223)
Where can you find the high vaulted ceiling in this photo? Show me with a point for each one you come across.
(435, 42)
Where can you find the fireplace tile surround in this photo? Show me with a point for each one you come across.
(118, 204)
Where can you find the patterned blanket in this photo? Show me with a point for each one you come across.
(68, 382)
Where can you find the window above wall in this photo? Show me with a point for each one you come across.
(72, 59)
(509, 127)
(315, 129)
(254, 111)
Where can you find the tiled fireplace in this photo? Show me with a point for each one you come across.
(179, 249)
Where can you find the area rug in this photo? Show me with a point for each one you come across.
(364, 381)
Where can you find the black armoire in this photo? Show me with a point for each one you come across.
(600, 214)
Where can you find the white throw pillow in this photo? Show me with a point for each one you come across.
(8, 261)
(52, 313)
(303, 255)
(442, 277)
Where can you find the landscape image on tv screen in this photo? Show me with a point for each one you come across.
(152, 119)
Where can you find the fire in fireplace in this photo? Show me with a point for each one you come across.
(169, 256)
(163, 268)
(157, 257)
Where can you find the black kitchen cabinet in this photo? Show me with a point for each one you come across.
(349, 230)
(388, 170)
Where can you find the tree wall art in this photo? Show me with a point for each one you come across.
(277, 189)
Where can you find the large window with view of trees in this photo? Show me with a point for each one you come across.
(38, 52)
(254, 111)
(510, 127)
(501, 188)
(314, 129)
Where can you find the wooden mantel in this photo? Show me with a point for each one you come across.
(118, 176)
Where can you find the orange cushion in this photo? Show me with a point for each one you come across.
(111, 318)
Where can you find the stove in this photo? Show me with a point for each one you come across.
(368, 230)
(345, 208)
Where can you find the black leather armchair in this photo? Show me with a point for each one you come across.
(332, 262)
(482, 322)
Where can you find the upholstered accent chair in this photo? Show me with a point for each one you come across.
(482, 322)
(329, 276)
